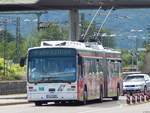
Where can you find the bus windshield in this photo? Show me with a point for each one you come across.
(52, 69)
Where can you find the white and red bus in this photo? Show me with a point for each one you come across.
(68, 71)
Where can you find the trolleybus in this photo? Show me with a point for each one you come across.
(69, 71)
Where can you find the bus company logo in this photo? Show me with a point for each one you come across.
(61, 88)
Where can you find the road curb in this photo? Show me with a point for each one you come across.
(13, 103)
(3, 98)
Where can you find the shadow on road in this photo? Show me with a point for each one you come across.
(94, 103)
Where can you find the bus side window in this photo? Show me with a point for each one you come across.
(94, 66)
(118, 67)
(99, 65)
(80, 64)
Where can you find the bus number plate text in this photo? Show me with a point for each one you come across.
(51, 96)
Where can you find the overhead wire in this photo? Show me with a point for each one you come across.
(91, 22)
(98, 33)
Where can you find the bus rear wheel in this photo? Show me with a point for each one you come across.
(117, 97)
(101, 95)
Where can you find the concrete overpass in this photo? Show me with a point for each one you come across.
(72, 5)
(13, 5)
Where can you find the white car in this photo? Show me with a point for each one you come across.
(136, 83)
(124, 74)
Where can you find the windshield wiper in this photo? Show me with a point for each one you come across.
(64, 81)
(48, 78)
(44, 79)
(51, 80)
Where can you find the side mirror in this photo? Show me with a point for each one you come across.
(79, 60)
(22, 61)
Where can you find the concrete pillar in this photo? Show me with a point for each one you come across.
(74, 31)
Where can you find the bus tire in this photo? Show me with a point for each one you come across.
(101, 95)
(117, 97)
(38, 103)
(85, 96)
(57, 102)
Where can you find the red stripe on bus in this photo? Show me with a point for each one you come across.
(91, 55)
(102, 56)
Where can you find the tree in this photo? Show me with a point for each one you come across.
(7, 36)
(126, 58)
(53, 32)
(141, 59)
(91, 31)
(12, 72)
(5, 39)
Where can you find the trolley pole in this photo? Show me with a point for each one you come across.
(4, 45)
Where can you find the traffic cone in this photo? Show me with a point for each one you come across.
(133, 99)
(147, 96)
(145, 100)
(142, 97)
(138, 98)
(128, 99)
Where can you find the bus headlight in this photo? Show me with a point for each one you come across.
(30, 88)
(72, 88)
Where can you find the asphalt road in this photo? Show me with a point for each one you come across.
(106, 107)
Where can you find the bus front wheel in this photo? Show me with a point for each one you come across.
(38, 103)
(85, 97)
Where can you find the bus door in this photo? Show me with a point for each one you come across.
(100, 75)
(80, 78)
(111, 78)
(105, 75)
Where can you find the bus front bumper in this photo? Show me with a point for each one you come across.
(50, 97)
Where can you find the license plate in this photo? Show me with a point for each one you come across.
(129, 89)
(51, 96)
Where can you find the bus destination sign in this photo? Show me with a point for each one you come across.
(47, 52)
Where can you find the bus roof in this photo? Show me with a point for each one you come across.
(88, 46)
